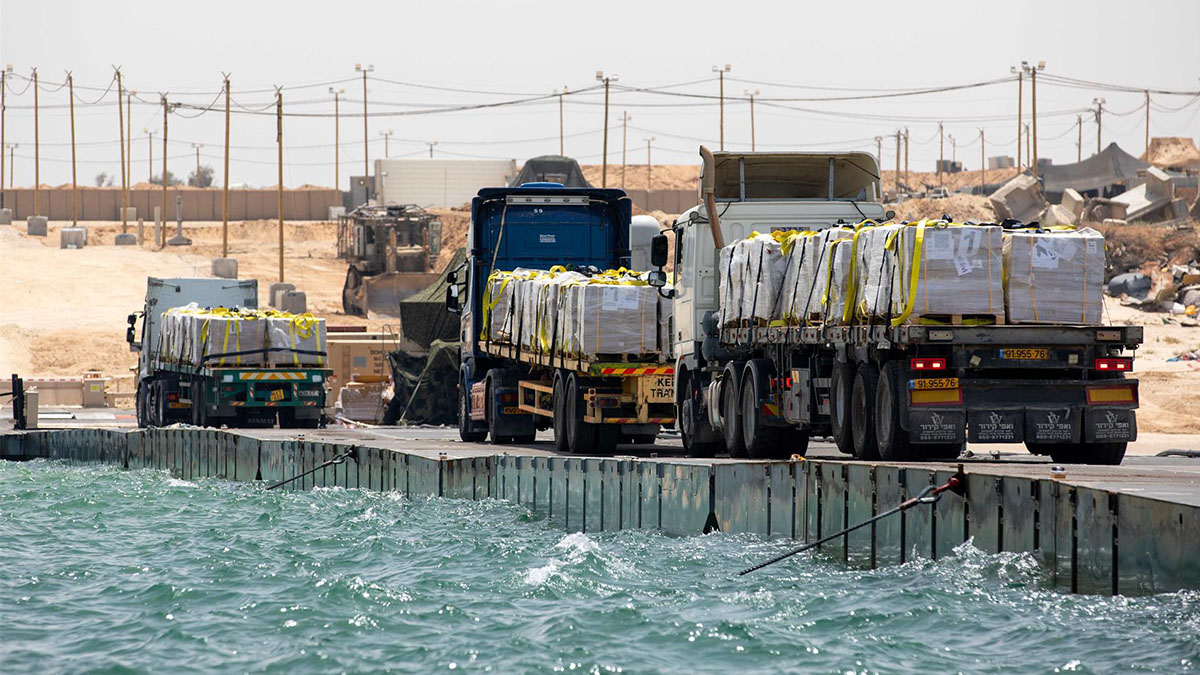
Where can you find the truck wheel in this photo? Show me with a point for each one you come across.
(157, 400)
(731, 411)
(581, 436)
(840, 384)
(761, 441)
(891, 439)
(862, 412)
(140, 404)
(1109, 454)
(465, 432)
(689, 420)
(199, 409)
(493, 416)
(559, 405)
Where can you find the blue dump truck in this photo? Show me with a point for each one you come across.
(509, 392)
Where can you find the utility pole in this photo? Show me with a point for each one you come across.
(1033, 71)
(649, 165)
(129, 141)
(279, 187)
(74, 175)
(879, 151)
(561, 122)
(1147, 125)
(1027, 150)
(387, 150)
(953, 149)
(196, 147)
(941, 153)
(12, 148)
(166, 110)
(1099, 103)
(1079, 142)
(898, 136)
(606, 79)
(337, 137)
(983, 163)
(1019, 71)
(37, 151)
(624, 137)
(225, 183)
(150, 156)
(121, 134)
(906, 181)
(431, 144)
(721, 75)
(366, 150)
(3, 76)
(752, 94)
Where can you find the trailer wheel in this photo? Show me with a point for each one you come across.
(862, 412)
(199, 410)
(157, 400)
(891, 439)
(1108, 454)
(465, 432)
(493, 416)
(558, 404)
(731, 388)
(581, 436)
(840, 384)
(761, 440)
(140, 404)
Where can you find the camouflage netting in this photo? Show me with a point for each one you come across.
(423, 315)
(426, 387)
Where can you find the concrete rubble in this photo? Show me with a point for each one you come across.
(225, 268)
(1055, 215)
(1073, 202)
(1020, 198)
(1146, 200)
(35, 226)
(72, 237)
(6, 216)
(273, 297)
(293, 302)
(125, 239)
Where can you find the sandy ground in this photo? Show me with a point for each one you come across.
(663, 177)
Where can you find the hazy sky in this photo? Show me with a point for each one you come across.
(510, 50)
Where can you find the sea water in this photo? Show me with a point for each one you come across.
(107, 570)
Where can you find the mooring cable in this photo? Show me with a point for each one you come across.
(351, 453)
(930, 495)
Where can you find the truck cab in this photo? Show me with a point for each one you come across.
(751, 192)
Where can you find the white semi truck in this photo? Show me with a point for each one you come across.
(904, 392)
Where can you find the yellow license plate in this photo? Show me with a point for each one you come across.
(277, 395)
(936, 383)
(1025, 354)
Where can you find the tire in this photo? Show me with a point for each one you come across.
(353, 281)
(140, 405)
(735, 442)
(862, 412)
(559, 406)
(492, 414)
(199, 409)
(892, 441)
(581, 436)
(686, 412)
(841, 382)
(761, 441)
(465, 432)
(158, 404)
(1105, 454)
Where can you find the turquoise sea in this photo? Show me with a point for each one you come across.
(105, 570)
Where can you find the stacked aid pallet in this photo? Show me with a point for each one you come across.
(223, 337)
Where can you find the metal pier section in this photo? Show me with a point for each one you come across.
(1128, 530)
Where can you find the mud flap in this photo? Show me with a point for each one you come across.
(1109, 425)
(1052, 426)
(936, 426)
(996, 426)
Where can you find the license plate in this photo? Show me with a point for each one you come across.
(1025, 354)
(936, 383)
(277, 395)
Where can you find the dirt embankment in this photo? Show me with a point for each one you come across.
(661, 177)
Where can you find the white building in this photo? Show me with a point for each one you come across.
(438, 182)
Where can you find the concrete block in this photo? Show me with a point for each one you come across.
(5, 216)
(295, 302)
(141, 232)
(72, 237)
(1115, 222)
(1158, 184)
(125, 239)
(1020, 198)
(336, 211)
(1056, 214)
(273, 297)
(1073, 202)
(1178, 209)
(35, 226)
(129, 215)
(225, 268)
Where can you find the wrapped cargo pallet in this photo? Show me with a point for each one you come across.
(551, 333)
(752, 276)
(806, 273)
(612, 317)
(223, 331)
(497, 306)
(837, 284)
(873, 268)
(948, 272)
(297, 333)
(1054, 277)
(730, 267)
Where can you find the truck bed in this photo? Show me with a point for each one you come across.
(1129, 337)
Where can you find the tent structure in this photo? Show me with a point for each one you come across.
(423, 315)
(1104, 175)
(552, 169)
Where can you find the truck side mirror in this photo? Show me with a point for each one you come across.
(658, 251)
(657, 278)
(452, 277)
(452, 299)
(131, 332)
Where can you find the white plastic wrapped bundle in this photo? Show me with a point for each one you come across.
(227, 332)
(613, 318)
(807, 273)
(529, 303)
(954, 270)
(730, 269)
(1054, 277)
(763, 278)
(875, 283)
(665, 325)
(836, 281)
(552, 331)
(303, 332)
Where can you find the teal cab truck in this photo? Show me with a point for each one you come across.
(198, 391)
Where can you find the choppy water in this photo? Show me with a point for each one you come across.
(108, 570)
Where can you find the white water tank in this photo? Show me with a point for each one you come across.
(641, 230)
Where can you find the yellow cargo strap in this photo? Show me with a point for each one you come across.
(913, 274)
